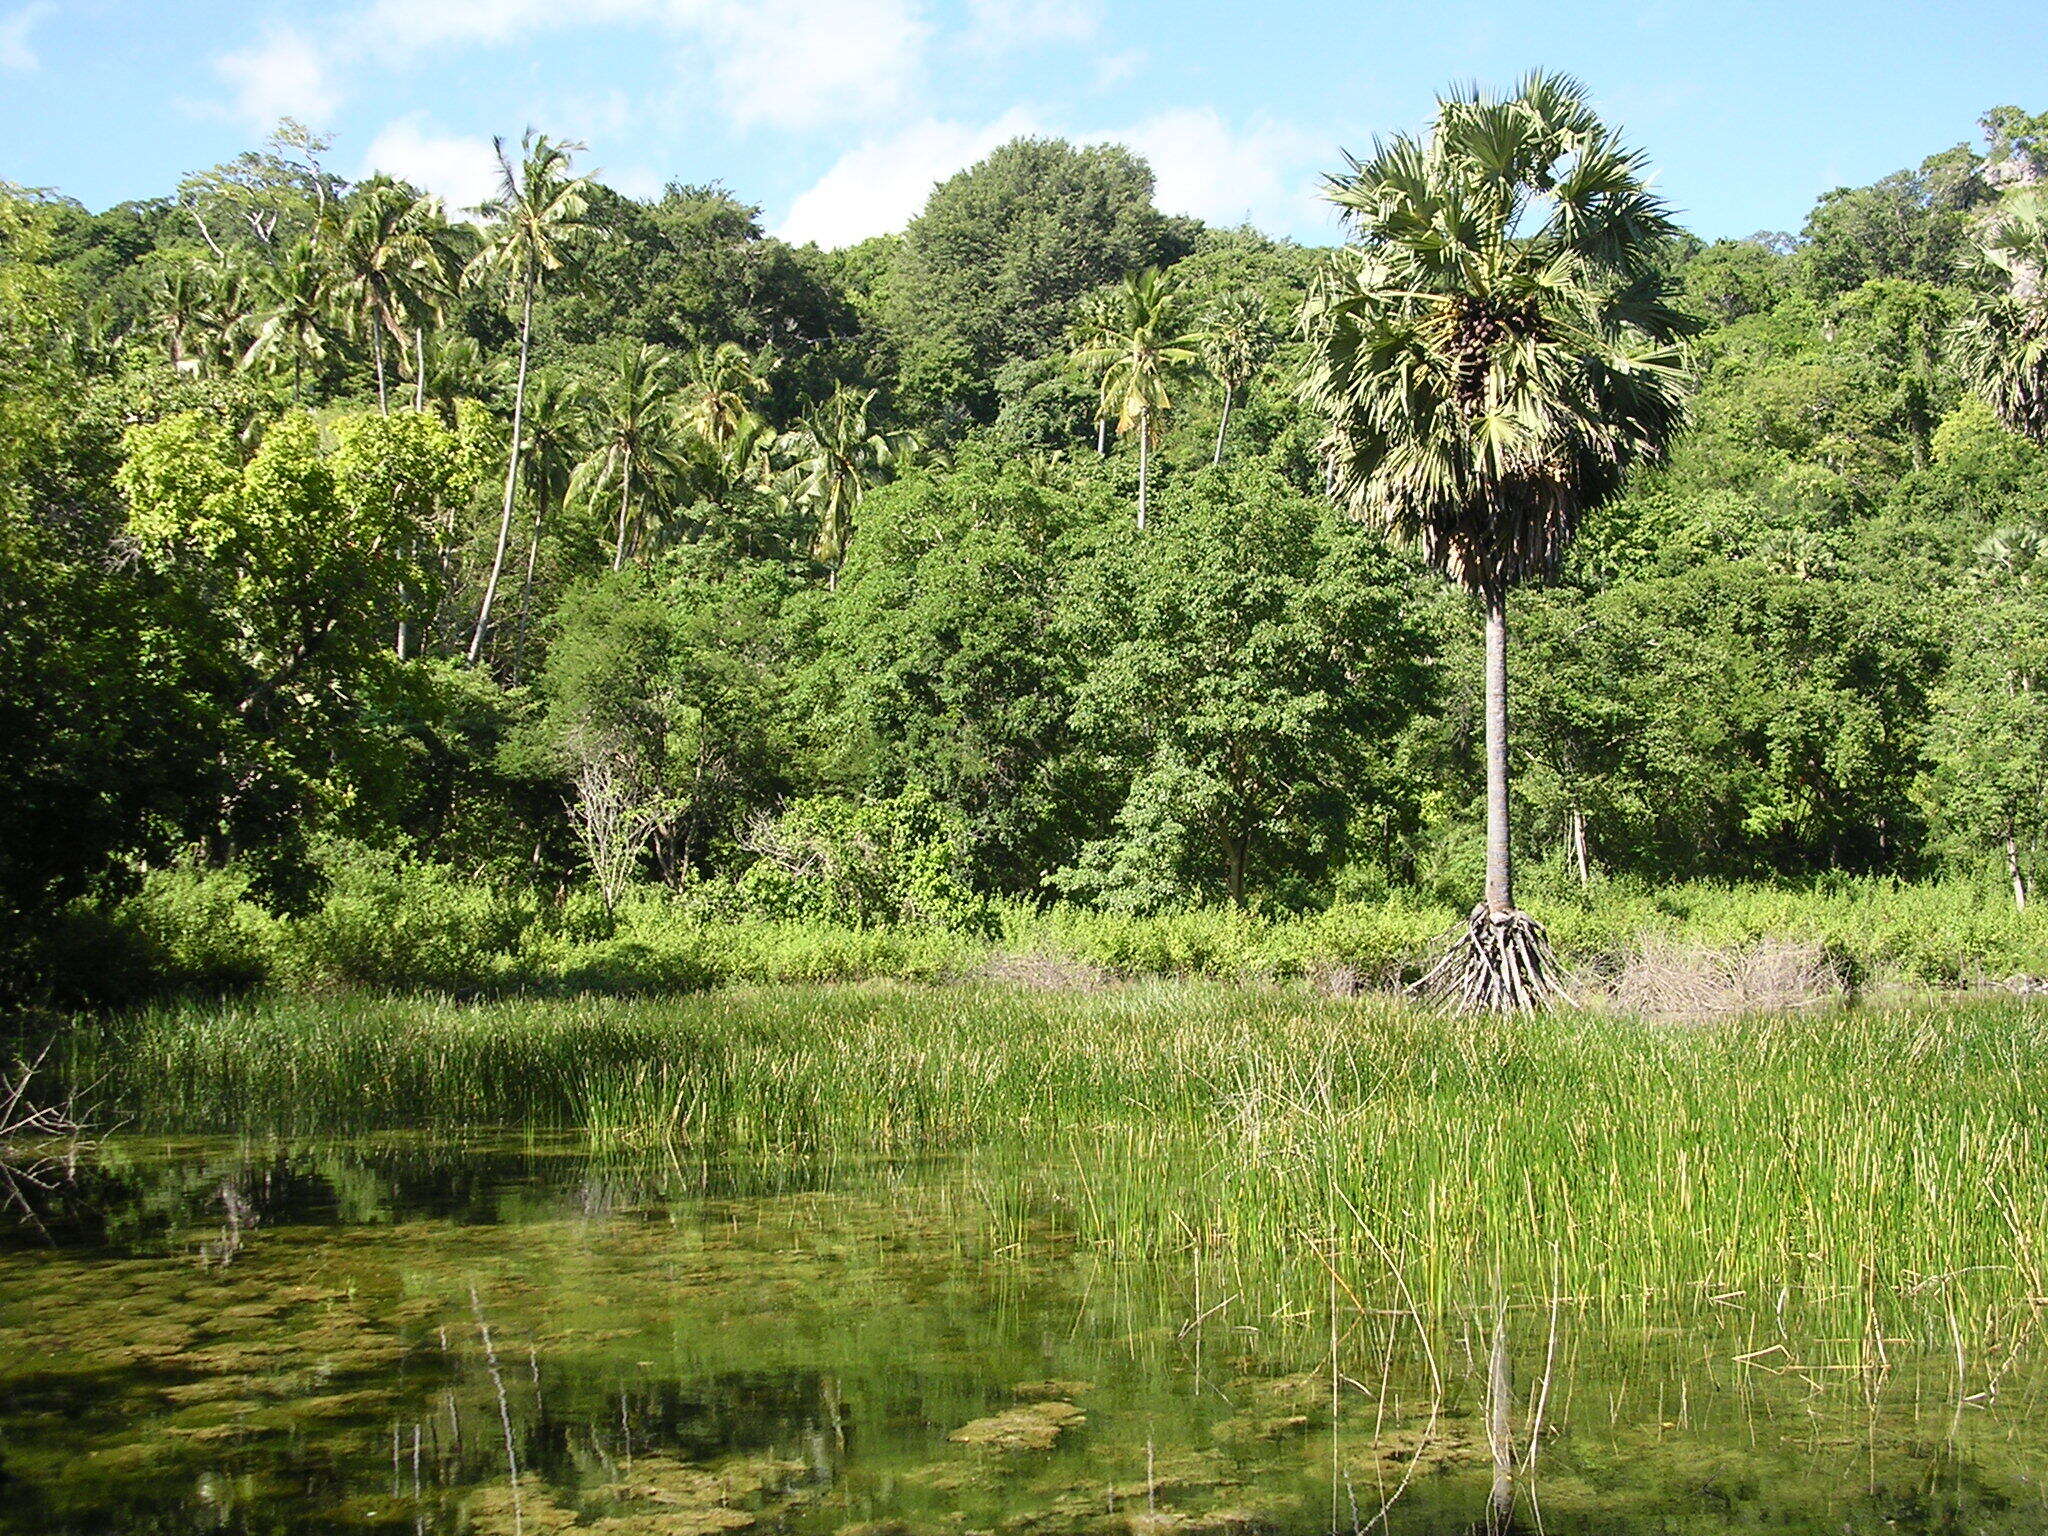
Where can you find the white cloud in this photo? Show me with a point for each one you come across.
(996, 26)
(1266, 173)
(17, 53)
(800, 63)
(1204, 166)
(285, 75)
(881, 184)
(461, 171)
(404, 28)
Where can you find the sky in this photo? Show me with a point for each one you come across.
(837, 116)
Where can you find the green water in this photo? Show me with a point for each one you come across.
(525, 1336)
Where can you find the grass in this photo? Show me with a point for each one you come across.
(1889, 1164)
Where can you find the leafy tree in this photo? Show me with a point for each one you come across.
(1248, 658)
(989, 271)
(1485, 390)
(539, 222)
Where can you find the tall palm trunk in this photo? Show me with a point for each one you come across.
(419, 368)
(1144, 464)
(1222, 426)
(1500, 889)
(540, 512)
(483, 613)
(377, 350)
(625, 513)
(2015, 868)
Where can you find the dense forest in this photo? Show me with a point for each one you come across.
(587, 548)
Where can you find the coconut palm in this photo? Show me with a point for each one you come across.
(2001, 341)
(294, 313)
(392, 252)
(1493, 355)
(179, 300)
(538, 221)
(1095, 319)
(724, 383)
(1137, 357)
(839, 457)
(1237, 338)
(554, 437)
(637, 447)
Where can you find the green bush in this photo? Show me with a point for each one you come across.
(392, 922)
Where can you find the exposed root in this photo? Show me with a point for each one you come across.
(1495, 962)
(39, 1147)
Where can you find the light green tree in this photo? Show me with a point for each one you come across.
(1492, 356)
(538, 222)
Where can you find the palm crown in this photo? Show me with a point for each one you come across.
(2001, 342)
(1499, 351)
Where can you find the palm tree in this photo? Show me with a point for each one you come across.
(451, 368)
(1493, 356)
(554, 438)
(1137, 357)
(2001, 342)
(294, 312)
(724, 383)
(1095, 320)
(637, 445)
(839, 458)
(392, 249)
(1237, 338)
(179, 299)
(539, 216)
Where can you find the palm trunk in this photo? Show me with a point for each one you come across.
(1222, 427)
(377, 349)
(625, 513)
(1144, 465)
(2014, 868)
(1500, 890)
(1581, 855)
(419, 368)
(483, 614)
(540, 511)
(1102, 437)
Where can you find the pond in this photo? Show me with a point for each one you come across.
(528, 1335)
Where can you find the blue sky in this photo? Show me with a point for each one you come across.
(837, 115)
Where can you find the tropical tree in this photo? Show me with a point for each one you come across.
(637, 447)
(1137, 357)
(2001, 343)
(1237, 338)
(553, 440)
(391, 251)
(840, 457)
(1493, 356)
(539, 220)
(723, 384)
(294, 313)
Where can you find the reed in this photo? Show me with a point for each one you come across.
(1888, 1163)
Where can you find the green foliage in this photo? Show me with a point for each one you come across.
(863, 864)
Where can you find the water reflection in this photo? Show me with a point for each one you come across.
(523, 1337)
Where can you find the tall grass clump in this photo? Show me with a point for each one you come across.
(1888, 1158)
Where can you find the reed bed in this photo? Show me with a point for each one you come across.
(1891, 1164)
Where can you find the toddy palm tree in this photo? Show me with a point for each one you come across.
(1492, 356)
(637, 445)
(539, 219)
(1237, 338)
(1141, 353)
(2001, 341)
